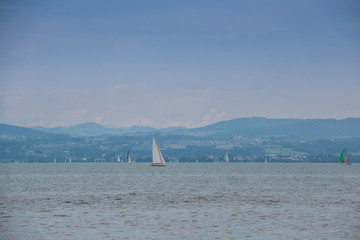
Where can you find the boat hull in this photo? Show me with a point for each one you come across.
(158, 165)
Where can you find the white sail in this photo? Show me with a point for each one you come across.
(226, 158)
(128, 158)
(157, 158)
(118, 159)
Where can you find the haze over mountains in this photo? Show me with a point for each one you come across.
(249, 127)
(93, 129)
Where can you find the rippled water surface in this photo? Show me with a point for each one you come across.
(180, 201)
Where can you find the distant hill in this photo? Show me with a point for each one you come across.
(249, 127)
(14, 131)
(308, 128)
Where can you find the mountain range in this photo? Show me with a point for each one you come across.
(93, 129)
(305, 128)
(248, 127)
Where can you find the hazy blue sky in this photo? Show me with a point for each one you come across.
(169, 63)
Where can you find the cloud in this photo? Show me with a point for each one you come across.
(222, 116)
(214, 116)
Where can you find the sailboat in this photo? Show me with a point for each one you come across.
(128, 158)
(118, 159)
(157, 158)
(265, 160)
(226, 158)
(344, 158)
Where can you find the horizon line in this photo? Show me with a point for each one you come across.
(111, 126)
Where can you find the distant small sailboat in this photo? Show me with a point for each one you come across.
(128, 158)
(118, 159)
(69, 159)
(157, 158)
(54, 160)
(343, 158)
(227, 158)
(267, 157)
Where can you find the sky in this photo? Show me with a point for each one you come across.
(177, 63)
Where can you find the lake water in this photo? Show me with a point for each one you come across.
(180, 201)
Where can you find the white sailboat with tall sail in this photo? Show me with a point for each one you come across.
(157, 158)
(226, 158)
(128, 158)
(118, 159)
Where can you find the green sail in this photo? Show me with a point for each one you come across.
(342, 156)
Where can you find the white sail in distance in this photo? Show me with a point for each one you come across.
(157, 158)
(128, 158)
